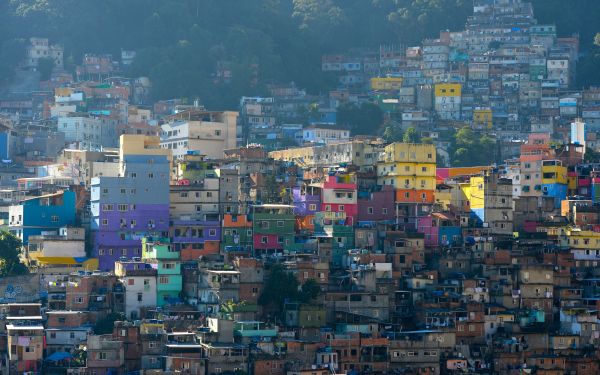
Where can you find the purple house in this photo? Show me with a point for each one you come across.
(377, 204)
(194, 233)
(129, 207)
(307, 200)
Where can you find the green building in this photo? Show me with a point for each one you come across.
(164, 257)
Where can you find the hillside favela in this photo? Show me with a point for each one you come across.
(299, 187)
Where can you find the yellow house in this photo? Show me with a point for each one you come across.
(386, 83)
(553, 172)
(448, 90)
(410, 168)
(583, 239)
(474, 191)
(482, 117)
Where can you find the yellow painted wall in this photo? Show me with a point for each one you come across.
(448, 89)
(584, 239)
(483, 117)
(386, 83)
(476, 191)
(410, 152)
(560, 171)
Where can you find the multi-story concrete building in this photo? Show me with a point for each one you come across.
(85, 132)
(133, 205)
(139, 281)
(207, 133)
(165, 258)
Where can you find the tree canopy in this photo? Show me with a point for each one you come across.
(181, 43)
(10, 249)
(470, 149)
(365, 119)
(283, 286)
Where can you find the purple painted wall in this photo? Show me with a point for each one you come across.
(120, 238)
(303, 201)
(377, 205)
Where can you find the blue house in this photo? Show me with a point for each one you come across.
(45, 213)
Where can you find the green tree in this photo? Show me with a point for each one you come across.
(105, 326)
(45, 67)
(365, 119)
(309, 291)
(10, 249)
(591, 156)
(280, 286)
(12, 52)
(470, 149)
(411, 136)
(392, 133)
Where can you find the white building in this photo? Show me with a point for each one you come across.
(140, 286)
(207, 133)
(40, 48)
(325, 134)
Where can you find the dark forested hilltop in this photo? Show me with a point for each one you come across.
(180, 42)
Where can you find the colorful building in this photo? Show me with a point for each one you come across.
(42, 214)
(339, 198)
(386, 83)
(272, 228)
(133, 205)
(411, 170)
(448, 100)
(162, 256)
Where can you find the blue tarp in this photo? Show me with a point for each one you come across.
(59, 356)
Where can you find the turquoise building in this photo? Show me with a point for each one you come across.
(165, 258)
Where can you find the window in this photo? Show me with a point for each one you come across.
(30, 349)
(212, 232)
(312, 207)
(133, 175)
(139, 297)
(370, 210)
(123, 191)
(169, 266)
(280, 223)
(54, 219)
(264, 239)
(52, 335)
(102, 356)
(209, 194)
(163, 280)
(124, 252)
(107, 207)
(150, 175)
(341, 208)
(100, 251)
(280, 239)
(104, 221)
(123, 207)
(183, 194)
(328, 208)
(105, 191)
(79, 300)
(384, 211)
(72, 335)
(217, 132)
